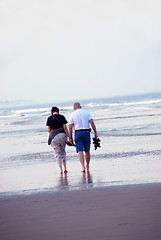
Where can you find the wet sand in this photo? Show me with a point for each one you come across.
(120, 212)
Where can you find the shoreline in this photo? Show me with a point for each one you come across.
(126, 212)
(48, 192)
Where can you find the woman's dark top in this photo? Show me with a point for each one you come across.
(56, 121)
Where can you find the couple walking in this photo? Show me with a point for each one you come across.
(80, 120)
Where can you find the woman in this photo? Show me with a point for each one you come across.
(58, 133)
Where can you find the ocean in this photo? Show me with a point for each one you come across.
(129, 128)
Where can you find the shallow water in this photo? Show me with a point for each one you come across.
(117, 164)
(130, 153)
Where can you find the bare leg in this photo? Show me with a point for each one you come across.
(64, 166)
(87, 155)
(61, 170)
(64, 160)
(81, 159)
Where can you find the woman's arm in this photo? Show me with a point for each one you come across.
(48, 129)
(66, 130)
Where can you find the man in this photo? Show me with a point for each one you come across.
(81, 120)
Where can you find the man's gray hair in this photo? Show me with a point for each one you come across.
(77, 105)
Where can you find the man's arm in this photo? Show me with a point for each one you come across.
(93, 127)
(71, 133)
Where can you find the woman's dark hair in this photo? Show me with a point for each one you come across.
(54, 109)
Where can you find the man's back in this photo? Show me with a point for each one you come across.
(80, 119)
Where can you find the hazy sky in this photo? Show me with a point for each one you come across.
(56, 50)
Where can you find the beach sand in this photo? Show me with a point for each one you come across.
(119, 212)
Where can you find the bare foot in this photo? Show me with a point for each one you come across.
(87, 167)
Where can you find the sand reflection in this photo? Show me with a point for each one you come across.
(63, 180)
(87, 180)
